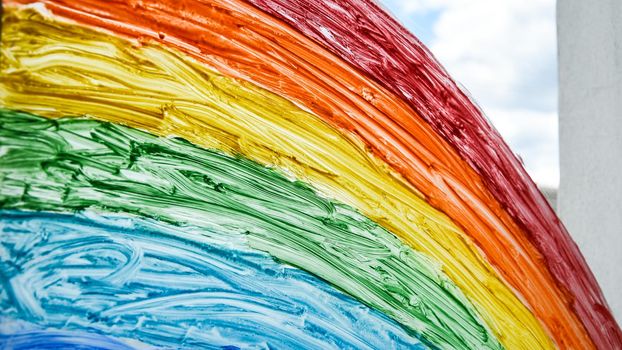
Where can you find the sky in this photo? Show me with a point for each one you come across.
(504, 54)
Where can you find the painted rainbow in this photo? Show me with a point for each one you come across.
(265, 174)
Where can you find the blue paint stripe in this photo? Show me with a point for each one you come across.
(174, 286)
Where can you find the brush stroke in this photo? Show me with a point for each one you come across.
(216, 112)
(172, 286)
(364, 35)
(75, 164)
(240, 41)
(52, 339)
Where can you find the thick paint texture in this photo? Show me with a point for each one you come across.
(171, 286)
(240, 41)
(74, 164)
(362, 34)
(80, 71)
(439, 150)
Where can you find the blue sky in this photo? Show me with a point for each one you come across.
(504, 53)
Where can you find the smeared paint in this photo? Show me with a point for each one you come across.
(243, 42)
(74, 164)
(213, 111)
(172, 287)
(366, 37)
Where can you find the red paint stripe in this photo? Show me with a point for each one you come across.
(369, 39)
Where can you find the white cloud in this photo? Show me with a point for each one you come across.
(504, 53)
(532, 135)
